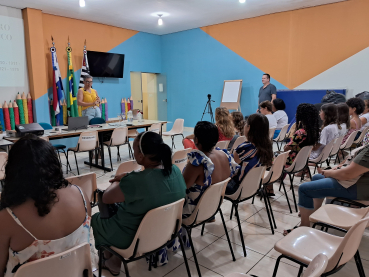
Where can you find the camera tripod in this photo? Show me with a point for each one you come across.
(208, 109)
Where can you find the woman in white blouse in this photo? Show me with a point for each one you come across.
(266, 109)
(364, 117)
(280, 115)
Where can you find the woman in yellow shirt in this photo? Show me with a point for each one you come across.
(88, 99)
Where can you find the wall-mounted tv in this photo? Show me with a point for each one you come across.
(105, 64)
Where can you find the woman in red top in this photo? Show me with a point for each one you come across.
(225, 126)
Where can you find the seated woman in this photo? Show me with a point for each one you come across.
(328, 114)
(278, 107)
(256, 151)
(225, 128)
(239, 124)
(206, 165)
(343, 118)
(41, 214)
(356, 107)
(364, 117)
(159, 184)
(266, 109)
(348, 182)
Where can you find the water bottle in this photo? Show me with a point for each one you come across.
(139, 117)
(130, 117)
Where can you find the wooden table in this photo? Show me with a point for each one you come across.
(103, 128)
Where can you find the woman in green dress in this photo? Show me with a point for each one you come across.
(161, 183)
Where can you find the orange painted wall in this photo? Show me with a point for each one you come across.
(296, 46)
(99, 37)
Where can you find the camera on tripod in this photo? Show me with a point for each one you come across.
(208, 109)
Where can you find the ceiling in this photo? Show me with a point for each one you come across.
(179, 15)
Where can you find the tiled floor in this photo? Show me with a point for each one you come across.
(212, 248)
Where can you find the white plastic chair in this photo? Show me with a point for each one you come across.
(156, 128)
(336, 148)
(299, 164)
(324, 155)
(87, 182)
(73, 262)
(222, 144)
(248, 188)
(281, 136)
(177, 130)
(360, 139)
(207, 207)
(128, 166)
(292, 130)
(180, 158)
(132, 133)
(157, 229)
(118, 138)
(303, 244)
(238, 141)
(271, 133)
(348, 143)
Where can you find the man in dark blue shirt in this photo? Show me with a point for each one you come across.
(268, 91)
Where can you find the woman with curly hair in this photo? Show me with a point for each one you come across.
(225, 128)
(41, 213)
(238, 122)
(356, 107)
(330, 128)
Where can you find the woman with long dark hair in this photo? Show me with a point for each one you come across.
(256, 151)
(159, 184)
(41, 213)
(343, 118)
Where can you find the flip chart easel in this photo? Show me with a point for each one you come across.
(232, 94)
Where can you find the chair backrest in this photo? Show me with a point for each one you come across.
(291, 130)
(250, 183)
(323, 156)
(282, 133)
(349, 244)
(362, 135)
(45, 126)
(336, 145)
(97, 120)
(209, 202)
(349, 141)
(317, 266)
(271, 133)
(180, 159)
(223, 144)
(119, 136)
(88, 141)
(238, 141)
(277, 168)
(87, 182)
(72, 262)
(301, 159)
(157, 227)
(127, 167)
(3, 160)
(178, 126)
(156, 128)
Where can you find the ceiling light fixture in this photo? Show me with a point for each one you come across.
(160, 20)
(82, 3)
(242, 1)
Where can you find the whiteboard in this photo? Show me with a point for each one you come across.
(231, 91)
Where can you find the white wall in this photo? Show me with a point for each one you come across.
(13, 66)
(351, 74)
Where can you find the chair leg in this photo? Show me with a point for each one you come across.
(126, 268)
(240, 230)
(184, 255)
(285, 193)
(293, 192)
(202, 229)
(316, 166)
(150, 262)
(111, 164)
(194, 255)
(300, 271)
(231, 211)
(57, 151)
(271, 211)
(308, 169)
(276, 266)
(267, 209)
(68, 164)
(253, 199)
(173, 145)
(90, 157)
(130, 151)
(359, 264)
(75, 157)
(226, 232)
(118, 155)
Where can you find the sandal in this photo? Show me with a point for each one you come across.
(286, 232)
(108, 269)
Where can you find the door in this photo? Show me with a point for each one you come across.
(162, 96)
(136, 90)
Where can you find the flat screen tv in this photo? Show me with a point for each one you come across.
(105, 64)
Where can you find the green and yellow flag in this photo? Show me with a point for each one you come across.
(71, 87)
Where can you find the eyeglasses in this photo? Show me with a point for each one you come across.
(89, 82)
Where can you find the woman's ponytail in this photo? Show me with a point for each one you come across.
(166, 158)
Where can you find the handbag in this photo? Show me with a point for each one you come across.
(106, 210)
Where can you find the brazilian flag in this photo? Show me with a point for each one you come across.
(71, 87)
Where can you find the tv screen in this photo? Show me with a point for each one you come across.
(105, 64)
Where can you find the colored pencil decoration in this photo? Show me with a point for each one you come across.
(103, 108)
(52, 113)
(6, 116)
(131, 100)
(2, 122)
(125, 106)
(16, 113)
(30, 108)
(65, 113)
(21, 110)
(25, 108)
(122, 108)
(11, 115)
(106, 110)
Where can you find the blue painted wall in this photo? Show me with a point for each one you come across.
(196, 65)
